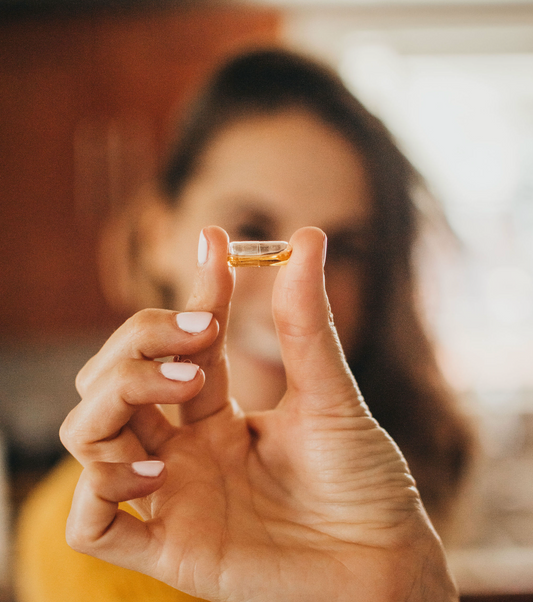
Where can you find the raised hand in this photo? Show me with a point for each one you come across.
(309, 501)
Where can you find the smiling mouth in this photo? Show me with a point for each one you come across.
(260, 343)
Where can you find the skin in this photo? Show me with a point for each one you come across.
(300, 497)
(263, 178)
(311, 500)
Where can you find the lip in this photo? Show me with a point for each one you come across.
(260, 344)
(275, 369)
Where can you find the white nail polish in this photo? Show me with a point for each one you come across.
(182, 371)
(148, 468)
(194, 321)
(202, 249)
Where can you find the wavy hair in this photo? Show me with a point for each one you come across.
(395, 364)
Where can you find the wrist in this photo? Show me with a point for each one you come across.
(415, 571)
(435, 582)
(426, 576)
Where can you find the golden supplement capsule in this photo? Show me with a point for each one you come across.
(258, 253)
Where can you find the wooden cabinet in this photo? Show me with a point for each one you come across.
(86, 106)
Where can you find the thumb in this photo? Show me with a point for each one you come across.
(312, 354)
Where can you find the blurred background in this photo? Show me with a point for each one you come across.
(89, 91)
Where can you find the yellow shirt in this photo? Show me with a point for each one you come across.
(47, 570)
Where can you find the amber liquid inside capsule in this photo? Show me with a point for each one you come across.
(258, 253)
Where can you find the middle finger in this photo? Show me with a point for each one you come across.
(117, 419)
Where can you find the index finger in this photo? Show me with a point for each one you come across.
(212, 291)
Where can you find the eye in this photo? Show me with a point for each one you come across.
(347, 247)
(250, 219)
(251, 230)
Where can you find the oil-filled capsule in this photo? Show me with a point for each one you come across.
(258, 253)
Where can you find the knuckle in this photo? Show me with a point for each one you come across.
(127, 385)
(74, 434)
(65, 431)
(87, 375)
(71, 437)
(82, 379)
(80, 382)
(294, 330)
(139, 326)
(142, 319)
(123, 372)
(77, 539)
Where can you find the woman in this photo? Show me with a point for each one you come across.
(274, 144)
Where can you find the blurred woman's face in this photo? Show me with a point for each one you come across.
(263, 178)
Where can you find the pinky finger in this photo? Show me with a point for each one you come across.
(98, 528)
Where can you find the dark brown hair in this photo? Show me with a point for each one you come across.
(395, 364)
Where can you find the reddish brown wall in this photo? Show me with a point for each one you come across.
(86, 104)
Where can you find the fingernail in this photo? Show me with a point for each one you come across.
(324, 250)
(202, 249)
(194, 321)
(148, 468)
(182, 371)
